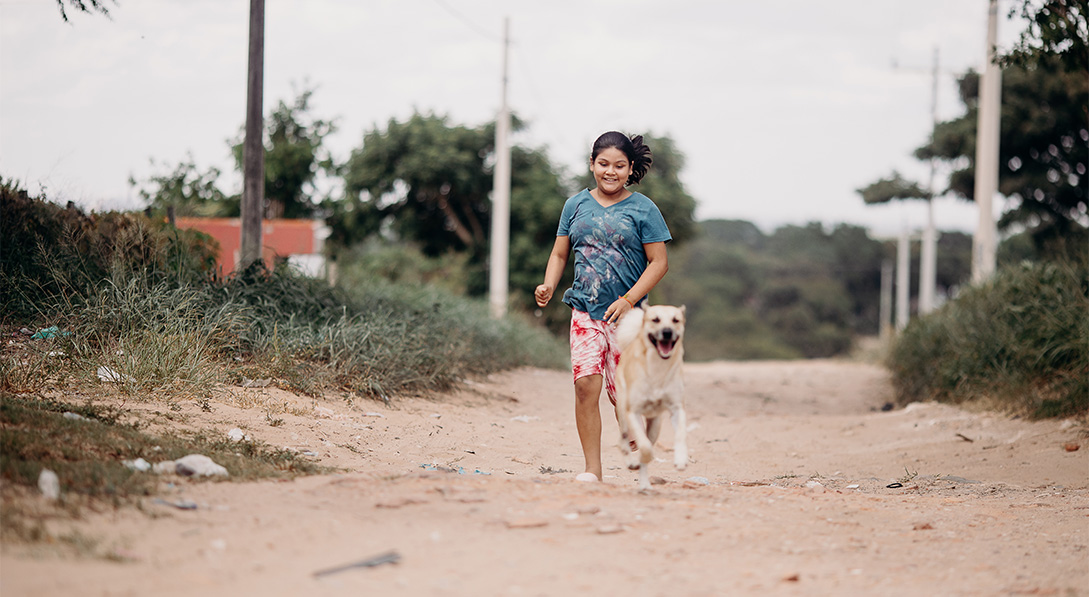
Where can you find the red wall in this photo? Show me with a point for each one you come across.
(279, 238)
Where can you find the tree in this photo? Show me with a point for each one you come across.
(1044, 153)
(1056, 29)
(87, 6)
(294, 156)
(893, 187)
(427, 182)
(187, 190)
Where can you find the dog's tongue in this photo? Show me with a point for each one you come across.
(665, 348)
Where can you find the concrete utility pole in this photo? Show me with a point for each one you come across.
(500, 250)
(885, 310)
(903, 279)
(928, 258)
(984, 242)
(253, 150)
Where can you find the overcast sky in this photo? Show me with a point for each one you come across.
(783, 109)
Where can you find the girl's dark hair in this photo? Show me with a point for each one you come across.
(638, 154)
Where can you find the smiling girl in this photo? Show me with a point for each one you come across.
(618, 237)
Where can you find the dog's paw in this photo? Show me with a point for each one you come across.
(680, 457)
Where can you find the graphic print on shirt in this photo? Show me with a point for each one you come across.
(600, 235)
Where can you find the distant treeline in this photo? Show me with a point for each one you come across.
(800, 291)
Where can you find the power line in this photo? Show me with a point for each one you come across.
(468, 23)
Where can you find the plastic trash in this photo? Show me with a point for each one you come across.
(109, 375)
(49, 332)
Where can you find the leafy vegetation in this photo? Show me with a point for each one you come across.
(1043, 151)
(1018, 343)
(136, 297)
(798, 292)
(140, 300)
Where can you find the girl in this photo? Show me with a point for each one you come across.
(619, 238)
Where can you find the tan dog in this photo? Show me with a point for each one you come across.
(649, 383)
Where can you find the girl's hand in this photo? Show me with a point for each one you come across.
(543, 294)
(617, 310)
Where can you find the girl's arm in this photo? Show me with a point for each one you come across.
(657, 266)
(557, 261)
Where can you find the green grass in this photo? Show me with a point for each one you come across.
(1019, 343)
(87, 452)
(139, 297)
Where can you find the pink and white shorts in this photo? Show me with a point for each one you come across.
(594, 350)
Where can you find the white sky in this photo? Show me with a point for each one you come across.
(783, 109)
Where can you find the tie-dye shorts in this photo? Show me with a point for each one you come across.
(594, 350)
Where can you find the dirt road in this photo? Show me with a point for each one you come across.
(799, 485)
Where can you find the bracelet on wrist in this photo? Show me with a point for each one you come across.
(627, 300)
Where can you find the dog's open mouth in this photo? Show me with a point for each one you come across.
(664, 346)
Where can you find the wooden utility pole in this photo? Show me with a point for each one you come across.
(500, 237)
(253, 150)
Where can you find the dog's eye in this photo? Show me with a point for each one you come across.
(657, 319)
(675, 320)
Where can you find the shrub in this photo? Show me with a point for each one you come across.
(1021, 341)
(53, 254)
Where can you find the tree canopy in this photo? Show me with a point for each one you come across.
(893, 187)
(294, 156)
(187, 190)
(1043, 152)
(1056, 29)
(87, 6)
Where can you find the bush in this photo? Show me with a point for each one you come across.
(1020, 342)
(51, 254)
(141, 299)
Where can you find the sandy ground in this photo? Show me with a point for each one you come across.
(472, 493)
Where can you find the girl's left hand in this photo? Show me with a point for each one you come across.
(617, 310)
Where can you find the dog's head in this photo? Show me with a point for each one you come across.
(663, 328)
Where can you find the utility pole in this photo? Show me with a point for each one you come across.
(253, 151)
(500, 250)
(903, 278)
(928, 258)
(884, 325)
(984, 242)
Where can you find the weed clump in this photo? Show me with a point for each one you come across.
(1019, 343)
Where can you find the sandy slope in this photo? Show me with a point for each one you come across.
(787, 494)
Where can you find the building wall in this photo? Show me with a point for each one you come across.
(279, 239)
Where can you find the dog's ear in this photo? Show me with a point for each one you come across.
(683, 310)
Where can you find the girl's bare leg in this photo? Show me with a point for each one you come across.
(588, 420)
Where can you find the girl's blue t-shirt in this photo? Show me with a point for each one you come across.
(608, 247)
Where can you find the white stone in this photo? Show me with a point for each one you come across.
(49, 484)
(199, 465)
(139, 465)
(166, 467)
(236, 435)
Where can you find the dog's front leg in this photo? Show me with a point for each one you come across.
(680, 439)
(637, 433)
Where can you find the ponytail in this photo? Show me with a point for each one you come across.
(633, 147)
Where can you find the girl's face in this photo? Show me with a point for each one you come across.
(611, 169)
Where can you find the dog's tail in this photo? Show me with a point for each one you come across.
(627, 329)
